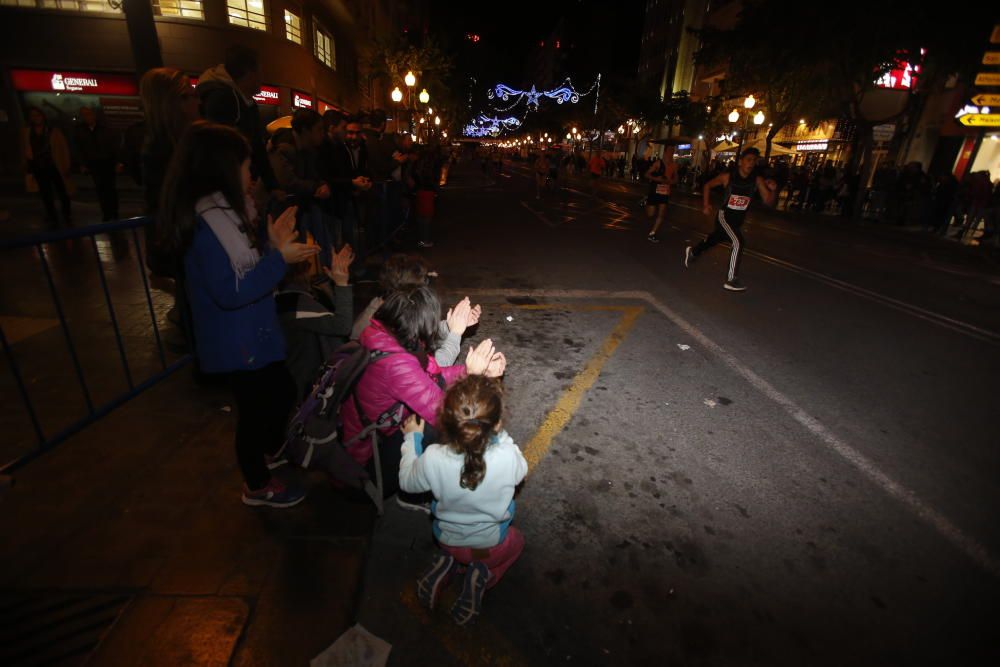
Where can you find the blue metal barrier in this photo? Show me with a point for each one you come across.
(46, 442)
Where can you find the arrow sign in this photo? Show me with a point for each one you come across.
(988, 79)
(986, 100)
(980, 120)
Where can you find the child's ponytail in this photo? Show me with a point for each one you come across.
(470, 415)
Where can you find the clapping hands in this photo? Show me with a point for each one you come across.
(282, 235)
(462, 316)
(485, 360)
(340, 265)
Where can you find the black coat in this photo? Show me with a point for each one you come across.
(222, 103)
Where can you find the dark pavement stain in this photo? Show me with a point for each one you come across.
(556, 576)
(624, 544)
(621, 600)
(591, 451)
(690, 557)
(879, 603)
(521, 300)
(563, 375)
(724, 401)
(709, 530)
(602, 388)
(742, 510)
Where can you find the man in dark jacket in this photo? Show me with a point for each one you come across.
(227, 92)
(100, 152)
(341, 167)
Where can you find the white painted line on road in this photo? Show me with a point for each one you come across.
(928, 315)
(908, 498)
(538, 215)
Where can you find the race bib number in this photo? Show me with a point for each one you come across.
(662, 189)
(738, 202)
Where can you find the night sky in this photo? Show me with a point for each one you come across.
(603, 36)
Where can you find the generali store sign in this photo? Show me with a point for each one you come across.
(268, 95)
(85, 83)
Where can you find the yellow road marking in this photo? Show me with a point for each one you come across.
(572, 307)
(559, 416)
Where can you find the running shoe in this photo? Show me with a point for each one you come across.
(470, 601)
(434, 579)
(653, 238)
(688, 256)
(275, 494)
(734, 285)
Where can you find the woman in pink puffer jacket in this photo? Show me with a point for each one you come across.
(405, 330)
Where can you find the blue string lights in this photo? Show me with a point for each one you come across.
(563, 93)
(491, 126)
(486, 126)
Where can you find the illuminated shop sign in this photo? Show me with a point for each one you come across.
(301, 100)
(812, 145)
(268, 95)
(87, 83)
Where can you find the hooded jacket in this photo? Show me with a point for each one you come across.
(394, 378)
(223, 102)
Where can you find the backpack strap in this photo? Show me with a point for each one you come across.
(389, 417)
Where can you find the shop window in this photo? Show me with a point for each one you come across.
(18, 3)
(293, 27)
(325, 48)
(188, 9)
(248, 13)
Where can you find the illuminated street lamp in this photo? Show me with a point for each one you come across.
(424, 96)
(437, 120)
(749, 102)
(410, 80)
(759, 118)
(397, 95)
(734, 116)
(569, 136)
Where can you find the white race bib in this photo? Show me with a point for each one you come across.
(738, 203)
(662, 189)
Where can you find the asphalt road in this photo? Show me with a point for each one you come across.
(804, 473)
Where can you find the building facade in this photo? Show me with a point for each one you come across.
(59, 55)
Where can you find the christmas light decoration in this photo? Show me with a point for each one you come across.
(564, 93)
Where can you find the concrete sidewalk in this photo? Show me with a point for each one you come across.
(130, 546)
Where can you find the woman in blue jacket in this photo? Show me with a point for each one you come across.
(207, 217)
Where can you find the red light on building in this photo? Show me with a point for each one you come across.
(472, 37)
(268, 96)
(557, 44)
(301, 100)
(85, 83)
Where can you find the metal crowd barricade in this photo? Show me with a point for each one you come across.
(47, 441)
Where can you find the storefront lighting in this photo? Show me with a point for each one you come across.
(410, 80)
(749, 102)
(734, 116)
(396, 94)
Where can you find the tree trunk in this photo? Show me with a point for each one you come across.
(771, 134)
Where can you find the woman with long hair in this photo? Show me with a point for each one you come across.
(46, 157)
(169, 105)
(231, 274)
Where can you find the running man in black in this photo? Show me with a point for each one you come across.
(742, 185)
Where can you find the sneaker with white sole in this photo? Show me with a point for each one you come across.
(734, 285)
(435, 578)
(275, 494)
(470, 601)
(653, 238)
(688, 256)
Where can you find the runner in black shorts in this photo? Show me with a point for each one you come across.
(661, 175)
(742, 185)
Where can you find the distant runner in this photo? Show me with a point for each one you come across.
(741, 186)
(661, 175)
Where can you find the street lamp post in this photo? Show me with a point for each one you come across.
(734, 116)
